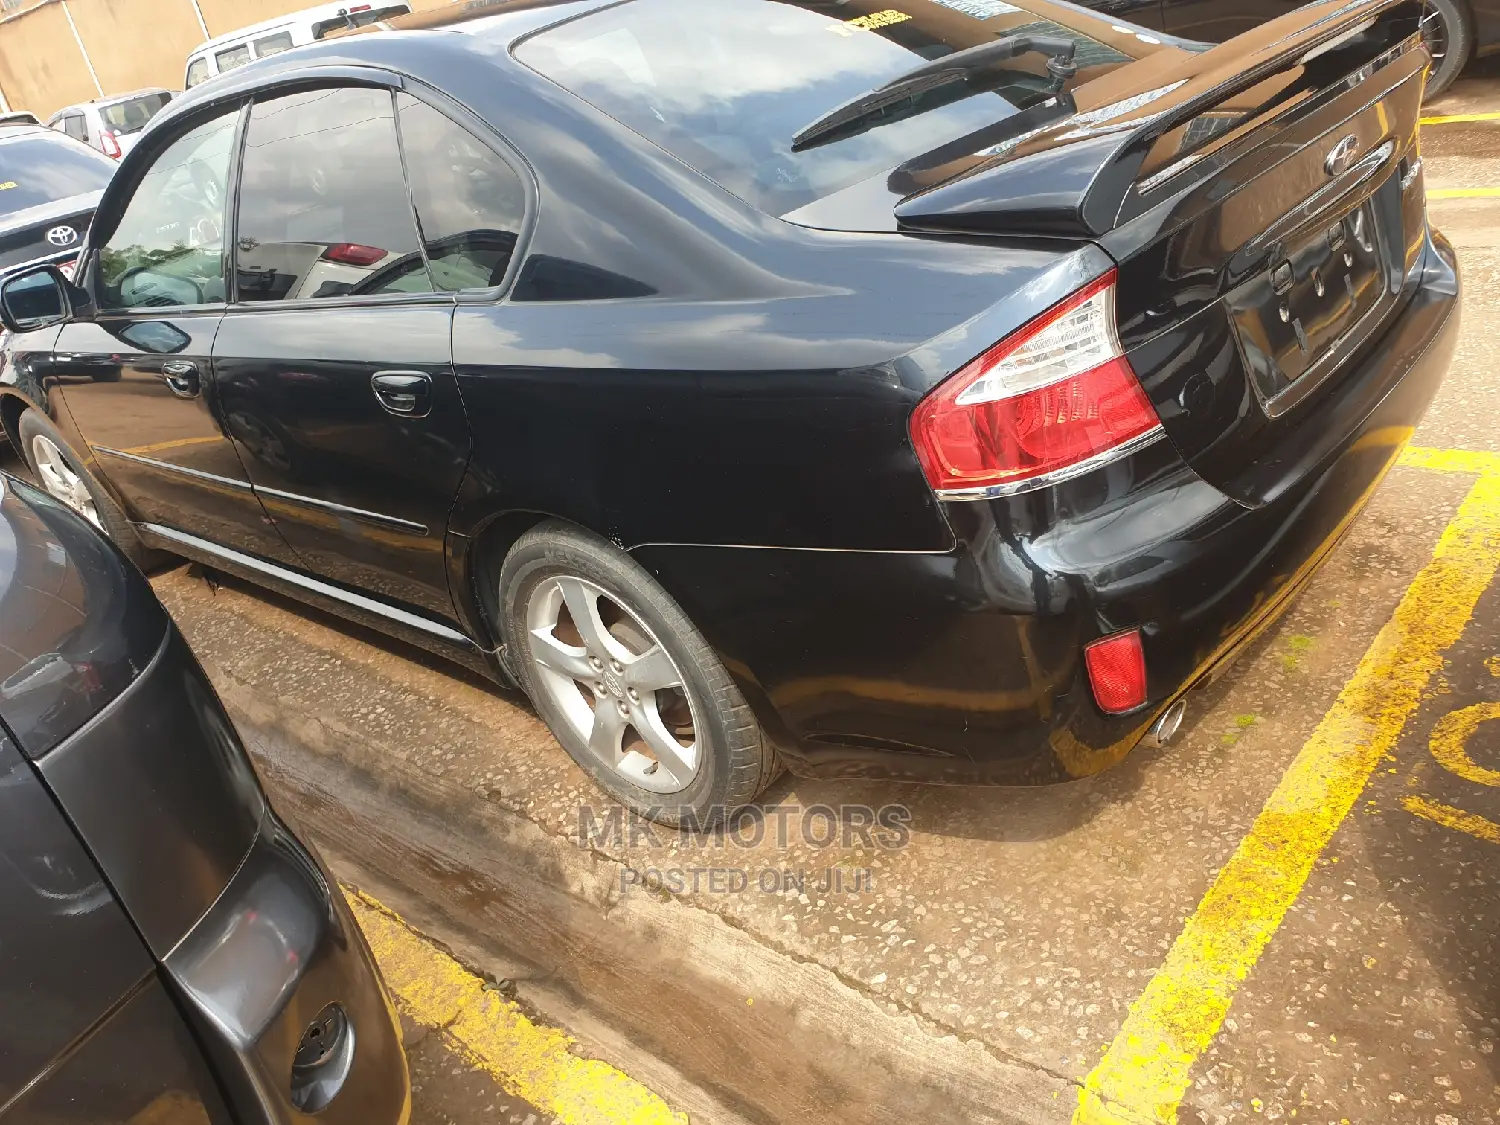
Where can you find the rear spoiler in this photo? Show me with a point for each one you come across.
(1136, 133)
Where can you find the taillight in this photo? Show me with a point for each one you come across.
(353, 254)
(109, 145)
(1050, 401)
(1117, 671)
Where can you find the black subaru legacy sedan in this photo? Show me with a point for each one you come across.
(169, 951)
(918, 389)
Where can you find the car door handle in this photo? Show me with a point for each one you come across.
(407, 393)
(181, 377)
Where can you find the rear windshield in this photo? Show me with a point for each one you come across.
(725, 85)
(131, 116)
(38, 170)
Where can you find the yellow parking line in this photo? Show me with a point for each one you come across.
(1145, 1071)
(175, 443)
(1455, 118)
(1450, 460)
(531, 1062)
(1464, 193)
(1449, 817)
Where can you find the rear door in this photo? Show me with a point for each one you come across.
(334, 364)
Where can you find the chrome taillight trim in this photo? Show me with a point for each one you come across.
(1057, 476)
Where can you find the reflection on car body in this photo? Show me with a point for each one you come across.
(946, 443)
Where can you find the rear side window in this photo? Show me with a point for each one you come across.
(273, 44)
(725, 85)
(40, 169)
(197, 72)
(74, 126)
(132, 116)
(324, 210)
(232, 58)
(470, 202)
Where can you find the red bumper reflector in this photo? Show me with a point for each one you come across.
(1117, 671)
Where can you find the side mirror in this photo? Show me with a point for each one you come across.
(34, 299)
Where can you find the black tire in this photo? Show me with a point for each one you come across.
(112, 521)
(1449, 30)
(735, 762)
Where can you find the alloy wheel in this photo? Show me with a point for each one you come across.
(616, 687)
(60, 481)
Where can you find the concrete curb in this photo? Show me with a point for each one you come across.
(775, 1037)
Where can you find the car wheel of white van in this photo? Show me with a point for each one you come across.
(626, 683)
(1448, 32)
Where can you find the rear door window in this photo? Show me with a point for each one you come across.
(273, 44)
(470, 202)
(324, 210)
(124, 118)
(42, 169)
(725, 85)
(233, 57)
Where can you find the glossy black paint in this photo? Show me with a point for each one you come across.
(170, 821)
(79, 622)
(322, 463)
(726, 394)
(966, 665)
(164, 939)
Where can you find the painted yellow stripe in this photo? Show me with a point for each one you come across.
(1450, 460)
(1145, 1072)
(1449, 817)
(176, 443)
(1464, 193)
(530, 1062)
(1455, 118)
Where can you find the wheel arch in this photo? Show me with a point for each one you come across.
(12, 406)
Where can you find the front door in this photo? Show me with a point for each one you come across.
(135, 372)
(334, 362)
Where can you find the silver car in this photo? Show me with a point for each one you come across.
(112, 125)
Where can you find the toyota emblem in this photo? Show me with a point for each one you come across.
(62, 236)
(1341, 155)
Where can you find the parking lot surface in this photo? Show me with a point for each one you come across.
(1290, 912)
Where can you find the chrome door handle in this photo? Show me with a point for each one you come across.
(407, 393)
(181, 377)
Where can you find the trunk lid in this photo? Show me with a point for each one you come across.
(1264, 202)
(43, 232)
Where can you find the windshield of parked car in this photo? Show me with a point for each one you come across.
(38, 170)
(725, 85)
(131, 116)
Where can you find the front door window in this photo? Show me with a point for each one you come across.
(168, 249)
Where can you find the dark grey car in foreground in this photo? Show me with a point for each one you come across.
(169, 951)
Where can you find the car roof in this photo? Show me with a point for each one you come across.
(113, 99)
(19, 131)
(305, 15)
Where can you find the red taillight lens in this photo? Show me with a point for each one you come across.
(1045, 401)
(109, 144)
(353, 254)
(1117, 671)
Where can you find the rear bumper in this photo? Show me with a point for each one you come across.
(260, 967)
(967, 666)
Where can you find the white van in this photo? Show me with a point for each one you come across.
(271, 37)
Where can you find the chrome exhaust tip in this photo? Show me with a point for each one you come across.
(1171, 719)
